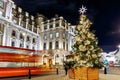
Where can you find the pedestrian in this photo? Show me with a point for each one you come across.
(66, 70)
(105, 70)
(29, 74)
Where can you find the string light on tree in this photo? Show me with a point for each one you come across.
(87, 52)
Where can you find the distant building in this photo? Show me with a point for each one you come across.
(113, 56)
(56, 34)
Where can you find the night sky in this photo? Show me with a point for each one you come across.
(105, 15)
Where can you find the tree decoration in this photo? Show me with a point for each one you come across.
(86, 50)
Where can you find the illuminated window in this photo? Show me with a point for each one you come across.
(57, 34)
(51, 36)
(63, 35)
(1, 13)
(45, 36)
(1, 3)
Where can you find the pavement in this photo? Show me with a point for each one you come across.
(62, 76)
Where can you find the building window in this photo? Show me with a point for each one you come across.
(21, 45)
(63, 23)
(1, 3)
(13, 33)
(33, 48)
(28, 38)
(64, 45)
(51, 35)
(45, 27)
(34, 40)
(57, 25)
(57, 34)
(66, 36)
(56, 44)
(45, 36)
(50, 45)
(72, 30)
(63, 35)
(21, 37)
(13, 43)
(27, 46)
(44, 46)
(51, 26)
(67, 46)
(1, 13)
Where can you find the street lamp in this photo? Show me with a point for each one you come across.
(118, 46)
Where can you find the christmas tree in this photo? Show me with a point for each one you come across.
(86, 50)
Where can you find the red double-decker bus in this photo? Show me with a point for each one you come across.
(18, 61)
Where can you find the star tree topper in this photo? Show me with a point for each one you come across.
(82, 10)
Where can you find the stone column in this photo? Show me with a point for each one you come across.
(25, 40)
(26, 24)
(18, 39)
(4, 34)
(8, 35)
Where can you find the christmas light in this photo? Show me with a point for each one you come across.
(82, 10)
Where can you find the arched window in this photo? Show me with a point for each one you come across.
(34, 40)
(51, 35)
(13, 33)
(12, 43)
(21, 40)
(21, 36)
(56, 45)
(57, 34)
(28, 38)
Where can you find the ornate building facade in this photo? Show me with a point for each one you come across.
(20, 29)
(17, 28)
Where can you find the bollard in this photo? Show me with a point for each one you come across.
(57, 71)
(66, 70)
(29, 74)
(105, 70)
